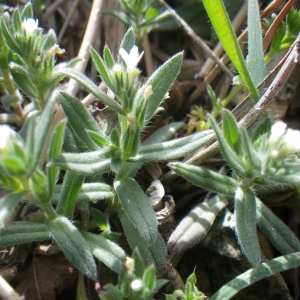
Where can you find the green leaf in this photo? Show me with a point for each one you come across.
(108, 58)
(49, 40)
(120, 15)
(79, 119)
(88, 163)
(162, 134)
(149, 278)
(206, 179)
(280, 235)
(276, 265)
(108, 252)
(25, 84)
(7, 203)
(230, 129)
(93, 88)
(154, 254)
(234, 161)
(22, 233)
(102, 68)
(70, 190)
(252, 155)
(139, 266)
(17, 19)
(255, 58)
(173, 149)
(13, 164)
(263, 128)
(74, 246)
(245, 216)
(137, 208)
(29, 128)
(221, 23)
(161, 81)
(5, 32)
(98, 139)
(54, 150)
(41, 130)
(127, 43)
(89, 192)
(100, 219)
(194, 227)
(27, 12)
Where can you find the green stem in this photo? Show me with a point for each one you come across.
(232, 94)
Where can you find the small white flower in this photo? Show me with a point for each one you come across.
(30, 25)
(6, 136)
(131, 59)
(292, 140)
(277, 131)
(136, 285)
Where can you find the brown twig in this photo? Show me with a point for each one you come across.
(216, 70)
(286, 66)
(272, 30)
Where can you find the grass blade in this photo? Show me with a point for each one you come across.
(221, 23)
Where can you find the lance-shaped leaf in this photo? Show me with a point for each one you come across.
(173, 149)
(25, 84)
(70, 190)
(7, 203)
(108, 252)
(23, 232)
(276, 265)
(160, 81)
(41, 130)
(137, 208)
(206, 179)
(161, 135)
(79, 119)
(54, 150)
(89, 192)
(89, 163)
(74, 246)
(154, 254)
(291, 180)
(57, 74)
(230, 130)
(221, 23)
(234, 161)
(252, 155)
(194, 227)
(91, 87)
(280, 235)
(255, 58)
(101, 67)
(108, 58)
(245, 216)
(127, 43)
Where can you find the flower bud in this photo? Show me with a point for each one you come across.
(136, 285)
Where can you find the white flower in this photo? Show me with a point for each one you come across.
(6, 136)
(30, 25)
(292, 140)
(277, 131)
(131, 59)
(136, 284)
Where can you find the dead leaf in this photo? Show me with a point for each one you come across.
(45, 277)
